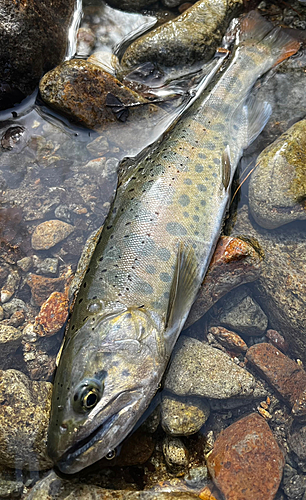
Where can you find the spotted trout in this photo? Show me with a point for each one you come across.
(152, 256)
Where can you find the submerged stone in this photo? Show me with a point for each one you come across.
(201, 370)
(79, 89)
(24, 419)
(277, 188)
(183, 416)
(47, 234)
(34, 37)
(191, 37)
(246, 462)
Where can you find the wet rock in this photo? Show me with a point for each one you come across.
(10, 489)
(246, 461)
(193, 36)
(45, 266)
(24, 418)
(53, 314)
(175, 453)
(183, 416)
(277, 340)
(11, 285)
(79, 89)
(99, 146)
(230, 340)
(10, 341)
(241, 313)
(25, 264)
(196, 477)
(39, 362)
(295, 487)
(53, 487)
(280, 289)
(200, 370)
(14, 305)
(17, 319)
(47, 234)
(34, 36)
(277, 188)
(283, 374)
(297, 442)
(235, 261)
(42, 287)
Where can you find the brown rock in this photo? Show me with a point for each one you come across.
(285, 375)
(230, 340)
(79, 89)
(235, 261)
(42, 287)
(277, 340)
(34, 36)
(53, 314)
(246, 462)
(49, 233)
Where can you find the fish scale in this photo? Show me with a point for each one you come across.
(151, 258)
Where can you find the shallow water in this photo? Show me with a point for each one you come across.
(45, 172)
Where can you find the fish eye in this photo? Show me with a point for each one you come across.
(87, 395)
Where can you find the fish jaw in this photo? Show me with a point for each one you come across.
(106, 436)
(127, 373)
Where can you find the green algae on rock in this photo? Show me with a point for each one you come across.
(79, 89)
(191, 37)
(277, 192)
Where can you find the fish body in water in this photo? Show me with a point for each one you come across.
(151, 258)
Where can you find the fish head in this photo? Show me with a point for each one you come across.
(106, 378)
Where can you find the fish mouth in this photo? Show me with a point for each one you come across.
(82, 446)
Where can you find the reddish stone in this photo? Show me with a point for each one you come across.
(42, 287)
(234, 262)
(53, 314)
(246, 462)
(230, 340)
(285, 375)
(277, 340)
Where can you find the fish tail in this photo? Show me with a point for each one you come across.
(255, 30)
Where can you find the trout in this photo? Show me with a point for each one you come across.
(152, 256)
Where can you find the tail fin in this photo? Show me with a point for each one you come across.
(254, 29)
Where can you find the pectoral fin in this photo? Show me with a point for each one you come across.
(226, 167)
(185, 284)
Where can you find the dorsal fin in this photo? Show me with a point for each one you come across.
(184, 287)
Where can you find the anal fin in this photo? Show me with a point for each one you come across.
(184, 287)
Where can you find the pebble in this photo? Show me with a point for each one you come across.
(193, 36)
(196, 477)
(198, 369)
(282, 373)
(241, 313)
(45, 266)
(99, 146)
(52, 487)
(42, 287)
(295, 487)
(85, 42)
(24, 418)
(79, 89)
(230, 340)
(277, 340)
(53, 314)
(25, 264)
(183, 416)
(175, 453)
(277, 188)
(246, 462)
(234, 263)
(63, 212)
(11, 285)
(10, 341)
(47, 234)
(297, 442)
(14, 305)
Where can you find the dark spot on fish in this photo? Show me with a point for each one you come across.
(197, 208)
(165, 277)
(215, 174)
(80, 301)
(196, 233)
(201, 187)
(188, 181)
(211, 146)
(202, 155)
(196, 218)
(151, 269)
(144, 287)
(163, 254)
(84, 285)
(184, 200)
(198, 168)
(203, 203)
(166, 295)
(176, 229)
(125, 373)
(216, 161)
(185, 214)
(235, 127)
